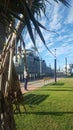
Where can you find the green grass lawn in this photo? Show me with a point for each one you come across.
(48, 108)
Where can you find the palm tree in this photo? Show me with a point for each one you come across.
(11, 28)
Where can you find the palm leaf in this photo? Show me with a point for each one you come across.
(43, 27)
(24, 8)
(63, 1)
(34, 22)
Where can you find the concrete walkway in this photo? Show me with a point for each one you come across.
(32, 85)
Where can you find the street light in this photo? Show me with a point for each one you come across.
(55, 77)
(40, 67)
(55, 67)
(66, 66)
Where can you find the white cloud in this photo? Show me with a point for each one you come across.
(63, 41)
(55, 20)
(69, 19)
(67, 50)
(29, 45)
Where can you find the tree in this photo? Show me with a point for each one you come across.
(12, 24)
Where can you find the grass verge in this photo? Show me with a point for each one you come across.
(48, 108)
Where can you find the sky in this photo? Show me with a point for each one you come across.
(59, 19)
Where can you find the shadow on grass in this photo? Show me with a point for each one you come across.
(57, 84)
(56, 90)
(34, 99)
(54, 84)
(66, 87)
(49, 113)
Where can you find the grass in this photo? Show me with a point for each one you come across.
(48, 108)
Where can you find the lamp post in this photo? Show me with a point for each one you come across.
(40, 67)
(66, 65)
(55, 76)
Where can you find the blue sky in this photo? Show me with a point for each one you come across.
(60, 20)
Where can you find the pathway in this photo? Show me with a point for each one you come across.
(32, 85)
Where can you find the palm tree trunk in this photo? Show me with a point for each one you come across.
(2, 36)
(8, 82)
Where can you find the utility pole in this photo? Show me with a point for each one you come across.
(55, 76)
(40, 67)
(66, 65)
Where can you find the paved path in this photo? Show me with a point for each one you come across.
(32, 85)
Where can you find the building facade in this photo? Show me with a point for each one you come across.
(36, 67)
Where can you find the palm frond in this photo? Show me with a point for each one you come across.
(34, 22)
(64, 2)
(43, 27)
(12, 9)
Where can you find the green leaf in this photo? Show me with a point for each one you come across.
(34, 22)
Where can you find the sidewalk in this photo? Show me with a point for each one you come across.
(32, 85)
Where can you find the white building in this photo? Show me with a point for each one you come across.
(36, 67)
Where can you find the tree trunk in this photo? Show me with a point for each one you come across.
(2, 36)
(9, 84)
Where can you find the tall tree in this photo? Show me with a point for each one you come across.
(11, 26)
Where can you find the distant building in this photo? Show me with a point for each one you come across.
(67, 69)
(36, 67)
(71, 69)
